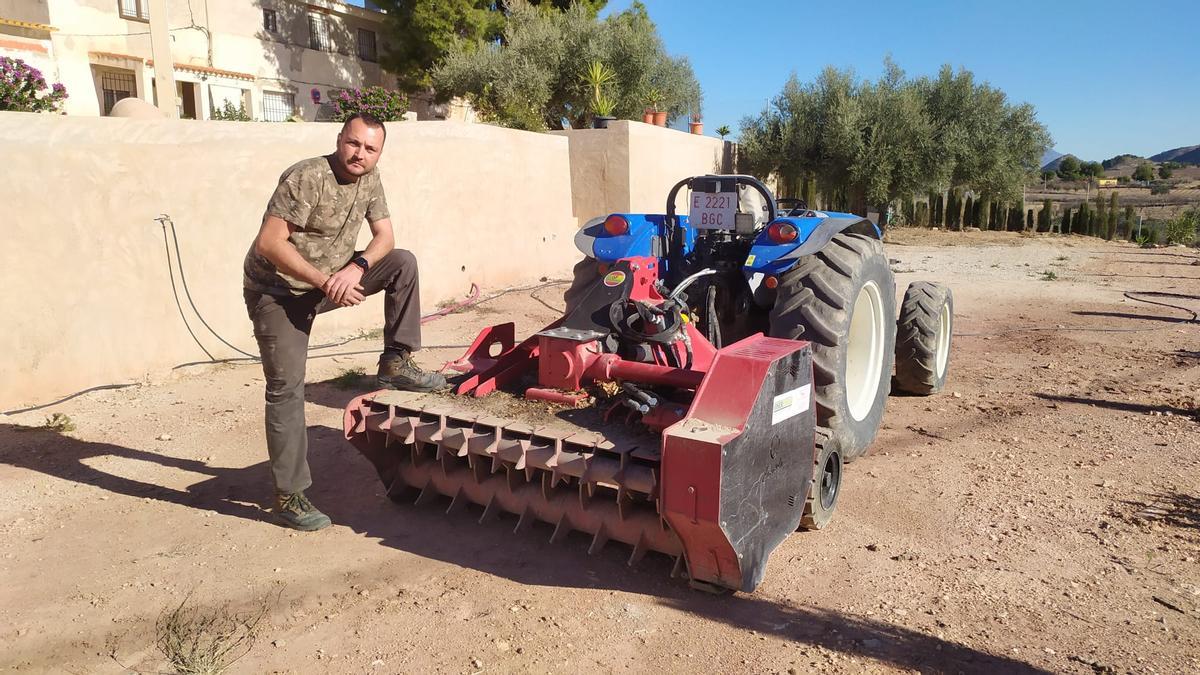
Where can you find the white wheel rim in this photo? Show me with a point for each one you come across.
(943, 340)
(864, 351)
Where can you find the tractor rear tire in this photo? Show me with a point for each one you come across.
(827, 485)
(923, 338)
(585, 274)
(842, 299)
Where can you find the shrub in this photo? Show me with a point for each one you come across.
(384, 105)
(23, 88)
(1159, 188)
(1182, 228)
(228, 113)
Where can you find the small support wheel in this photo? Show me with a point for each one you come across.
(827, 485)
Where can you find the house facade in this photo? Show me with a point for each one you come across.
(275, 58)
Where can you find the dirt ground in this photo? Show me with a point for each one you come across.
(1041, 515)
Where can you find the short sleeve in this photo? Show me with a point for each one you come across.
(295, 196)
(377, 208)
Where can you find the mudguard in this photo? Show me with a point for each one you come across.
(815, 233)
(645, 238)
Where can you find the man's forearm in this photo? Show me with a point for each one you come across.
(288, 260)
(380, 245)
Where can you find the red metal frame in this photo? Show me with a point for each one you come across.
(693, 448)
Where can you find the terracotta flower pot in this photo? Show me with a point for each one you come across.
(660, 118)
(648, 117)
(696, 127)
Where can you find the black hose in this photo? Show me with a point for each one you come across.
(188, 293)
(714, 324)
(1194, 318)
(175, 292)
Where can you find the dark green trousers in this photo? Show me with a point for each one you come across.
(282, 325)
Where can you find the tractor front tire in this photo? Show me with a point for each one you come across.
(827, 485)
(842, 299)
(923, 338)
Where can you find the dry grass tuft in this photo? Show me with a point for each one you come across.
(197, 641)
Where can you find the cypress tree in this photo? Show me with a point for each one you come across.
(939, 211)
(1129, 222)
(1110, 229)
(1100, 219)
(1065, 226)
(1044, 220)
(968, 212)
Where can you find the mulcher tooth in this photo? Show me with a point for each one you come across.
(428, 493)
(490, 511)
(524, 521)
(639, 551)
(598, 541)
(561, 529)
(679, 569)
(457, 502)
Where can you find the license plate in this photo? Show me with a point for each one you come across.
(713, 210)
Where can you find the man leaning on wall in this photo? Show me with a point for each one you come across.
(303, 263)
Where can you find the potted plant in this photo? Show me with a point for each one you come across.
(604, 106)
(696, 126)
(597, 76)
(648, 115)
(655, 98)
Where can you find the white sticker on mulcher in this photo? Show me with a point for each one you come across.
(790, 403)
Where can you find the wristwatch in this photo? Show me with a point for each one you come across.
(361, 262)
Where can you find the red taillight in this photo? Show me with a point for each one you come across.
(616, 225)
(771, 282)
(782, 233)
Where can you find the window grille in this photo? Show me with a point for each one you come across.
(278, 106)
(318, 32)
(366, 45)
(116, 86)
(270, 21)
(134, 9)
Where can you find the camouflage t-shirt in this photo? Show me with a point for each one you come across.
(328, 216)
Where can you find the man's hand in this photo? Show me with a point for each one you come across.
(343, 288)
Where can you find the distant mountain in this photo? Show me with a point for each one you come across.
(1052, 165)
(1185, 155)
(1049, 156)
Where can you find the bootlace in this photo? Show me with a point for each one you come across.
(296, 502)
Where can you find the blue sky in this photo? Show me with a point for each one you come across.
(1106, 77)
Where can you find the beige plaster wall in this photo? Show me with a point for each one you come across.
(631, 166)
(87, 297)
(659, 158)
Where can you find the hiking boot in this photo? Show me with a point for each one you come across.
(295, 511)
(399, 371)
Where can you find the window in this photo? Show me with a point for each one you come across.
(318, 32)
(366, 45)
(270, 22)
(139, 10)
(278, 106)
(116, 85)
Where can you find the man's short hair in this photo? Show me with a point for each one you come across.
(367, 119)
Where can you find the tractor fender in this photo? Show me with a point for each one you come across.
(827, 229)
(585, 238)
(815, 233)
(643, 238)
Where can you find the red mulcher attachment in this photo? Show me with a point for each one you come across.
(705, 455)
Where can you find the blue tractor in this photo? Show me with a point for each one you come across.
(746, 263)
(749, 351)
